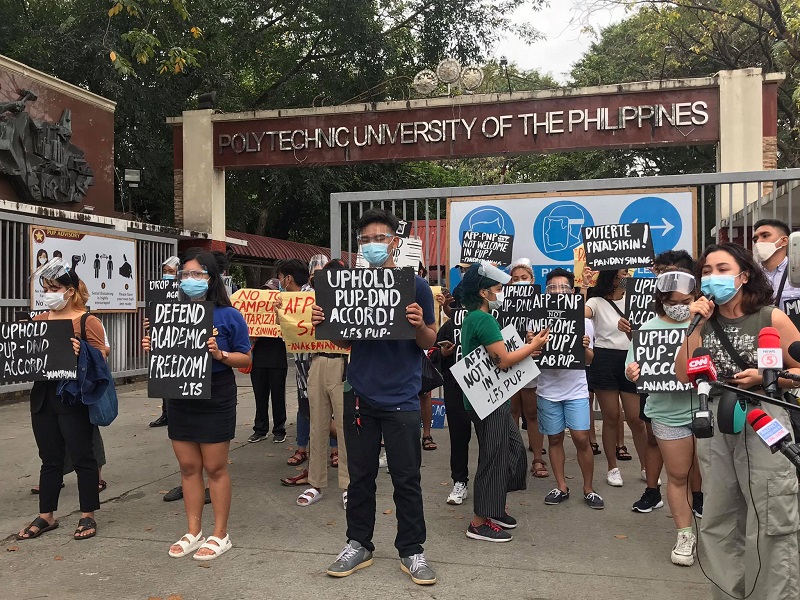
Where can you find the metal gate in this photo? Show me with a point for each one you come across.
(125, 330)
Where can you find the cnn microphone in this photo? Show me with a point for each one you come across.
(697, 318)
(770, 360)
(774, 435)
(700, 370)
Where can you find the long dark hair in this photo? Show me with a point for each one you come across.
(605, 283)
(216, 288)
(757, 292)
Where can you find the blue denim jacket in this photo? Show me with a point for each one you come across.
(93, 380)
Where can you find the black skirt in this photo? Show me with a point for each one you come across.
(205, 421)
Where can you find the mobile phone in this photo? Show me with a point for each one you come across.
(444, 343)
(794, 259)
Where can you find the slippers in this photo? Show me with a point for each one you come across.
(188, 543)
(42, 525)
(298, 458)
(539, 471)
(301, 479)
(311, 496)
(35, 490)
(335, 460)
(101, 485)
(220, 548)
(83, 524)
(595, 449)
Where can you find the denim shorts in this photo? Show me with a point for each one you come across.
(668, 432)
(554, 417)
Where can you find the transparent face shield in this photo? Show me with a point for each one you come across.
(489, 271)
(55, 269)
(675, 281)
(173, 261)
(317, 262)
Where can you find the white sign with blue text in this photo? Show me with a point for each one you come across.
(547, 227)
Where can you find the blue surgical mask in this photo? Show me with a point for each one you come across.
(722, 287)
(194, 288)
(169, 276)
(375, 254)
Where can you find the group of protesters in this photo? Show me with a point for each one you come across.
(362, 408)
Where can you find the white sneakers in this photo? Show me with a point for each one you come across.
(644, 477)
(614, 477)
(459, 493)
(683, 552)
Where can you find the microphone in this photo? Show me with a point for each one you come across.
(770, 360)
(794, 350)
(697, 318)
(700, 370)
(774, 435)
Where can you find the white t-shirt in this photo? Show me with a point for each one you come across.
(566, 384)
(605, 321)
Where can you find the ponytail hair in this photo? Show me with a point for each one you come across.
(81, 297)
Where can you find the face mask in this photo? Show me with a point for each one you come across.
(169, 276)
(623, 283)
(375, 254)
(763, 251)
(194, 288)
(679, 312)
(722, 287)
(521, 282)
(497, 302)
(42, 260)
(55, 300)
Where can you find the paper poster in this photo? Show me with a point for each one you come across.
(256, 307)
(298, 332)
(106, 264)
(407, 254)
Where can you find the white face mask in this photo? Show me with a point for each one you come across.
(763, 251)
(678, 312)
(42, 260)
(55, 300)
(522, 282)
(497, 302)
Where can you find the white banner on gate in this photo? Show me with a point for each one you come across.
(407, 254)
(487, 387)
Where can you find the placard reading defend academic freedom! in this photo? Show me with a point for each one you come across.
(655, 350)
(624, 246)
(485, 385)
(365, 304)
(180, 363)
(37, 351)
(640, 293)
(497, 248)
(564, 315)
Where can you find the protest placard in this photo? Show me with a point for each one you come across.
(640, 293)
(624, 246)
(519, 304)
(495, 248)
(485, 385)
(180, 363)
(37, 351)
(256, 307)
(365, 304)
(163, 290)
(298, 332)
(792, 309)
(654, 350)
(458, 320)
(407, 253)
(436, 290)
(564, 315)
(579, 264)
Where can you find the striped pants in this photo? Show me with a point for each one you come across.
(502, 462)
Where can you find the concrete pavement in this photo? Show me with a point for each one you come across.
(281, 550)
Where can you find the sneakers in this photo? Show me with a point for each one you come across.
(683, 552)
(614, 477)
(488, 532)
(383, 463)
(697, 504)
(278, 438)
(650, 499)
(351, 559)
(459, 494)
(506, 521)
(344, 499)
(257, 437)
(594, 501)
(556, 496)
(416, 566)
(644, 477)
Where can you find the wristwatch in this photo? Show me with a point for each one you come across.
(224, 356)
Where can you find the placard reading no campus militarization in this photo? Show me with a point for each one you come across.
(180, 363)
(640, 294)
(37, 351)
(564, 315)
(496, 248)
(625, 246)
(365, 304)
(654, 350)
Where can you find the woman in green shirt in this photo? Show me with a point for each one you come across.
(502, 460)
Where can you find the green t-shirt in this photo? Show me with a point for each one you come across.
(478, 329)
(673, 409)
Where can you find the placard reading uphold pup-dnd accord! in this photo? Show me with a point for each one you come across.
(640, 294)
(365, 304)
(180, 363)
(37, 351)
(610, 247)
(654, 350)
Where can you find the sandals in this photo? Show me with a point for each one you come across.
(102, 485)
(622, 453)
(188, 543)
(85, 524)
(428, 443)
(298, 458)
(311, 496)
(335, 459)
(41, 524)
(219, 548)
(301, 479)
(595, 448)
(539, 471)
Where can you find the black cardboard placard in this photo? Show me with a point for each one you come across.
(180, 363)
(495, 248)
(792, 309)
(404, 229)
(163, 290)
(624, 246)
(564, 315)
(518, 306)
(365, 304)
(655, 350)
(37, 351)
(640, 292)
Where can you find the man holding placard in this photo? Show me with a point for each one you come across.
(386, 378)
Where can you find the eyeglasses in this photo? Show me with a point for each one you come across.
(381, 238)
(558, 289)
(192, 274)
